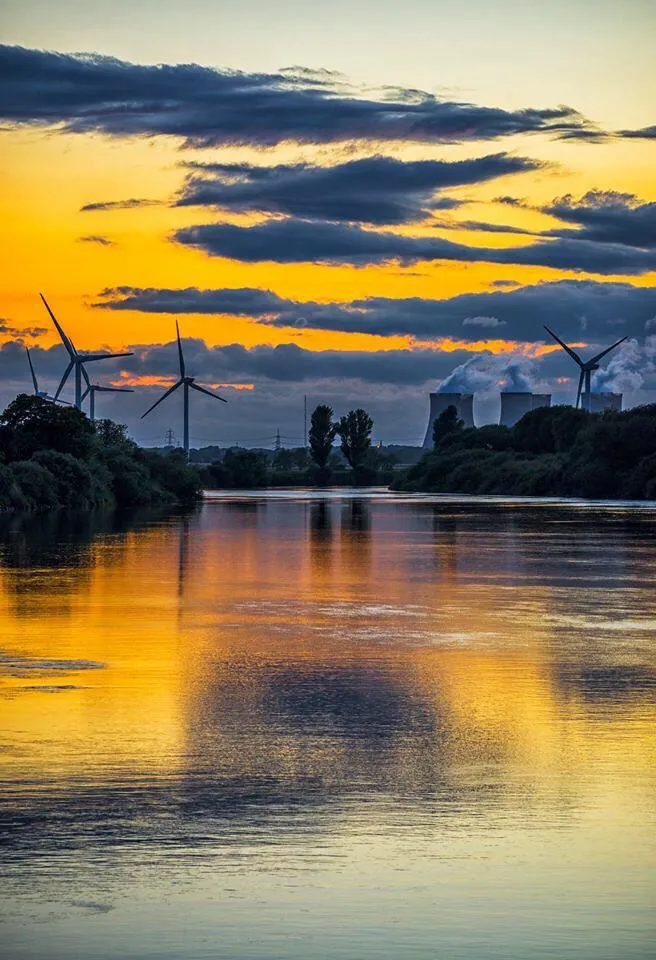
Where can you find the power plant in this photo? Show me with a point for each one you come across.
(515, 403)
(464, 404)
(598, 402)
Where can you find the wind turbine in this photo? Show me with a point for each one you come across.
(39, 393)
(587, 366)
(77, 360)
(94, 388)
(185, 382)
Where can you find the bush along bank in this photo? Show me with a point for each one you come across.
(52, 456)
(552, 451)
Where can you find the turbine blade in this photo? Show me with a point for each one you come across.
(573, 355)
(86, 377)
(90, 357)
(67, 343)
(181, 358)
(607, 350)
(66, 403)
(209, 393)
(63, 380)
(163, 397)
(112, 389)
(578, 395)
(29, 360)
(84, 395)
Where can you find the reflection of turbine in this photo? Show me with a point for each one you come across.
(77, 360)
(94, 388)
(587, 366)
(40, 393)
(185, 382)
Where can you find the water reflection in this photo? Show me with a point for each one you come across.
(277, 682)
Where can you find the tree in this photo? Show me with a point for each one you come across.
(240, 469)
(355, 432)
(32, 423)
(111, 434)
(321, 436)
(446, 424)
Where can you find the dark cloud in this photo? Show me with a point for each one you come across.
(239, 302)
(644, 133)
(9, 329)
(95, 238)
(379, 190)
(506, 283)
(118, 204)
(578, 308)
(207, 107)
(304, 241)
(483, 227)
(606, 217)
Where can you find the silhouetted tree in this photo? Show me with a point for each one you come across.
(56, 457)
(110, 433)
(321, 435)
(446, 424)
(31, 423)
(240, 469)
(355, 433)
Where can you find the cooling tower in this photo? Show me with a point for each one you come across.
(598, 402)
(464, 404)
(513, 407)
(514, 404)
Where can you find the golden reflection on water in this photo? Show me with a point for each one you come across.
(477, 667)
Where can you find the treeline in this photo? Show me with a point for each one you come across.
(354, 461)
(551, 451)
(52, 456)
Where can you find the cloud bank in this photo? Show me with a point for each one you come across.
(206, 107)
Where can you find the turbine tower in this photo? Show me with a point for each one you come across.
(185, 382)
(94, 388)
(587, 367)
(40, 393)
(77, 360)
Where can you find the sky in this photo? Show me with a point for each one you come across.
(342, 202)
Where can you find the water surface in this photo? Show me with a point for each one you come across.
(331, 725)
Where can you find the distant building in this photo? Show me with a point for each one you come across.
(464, 404)
(514, 404)
(598, 402)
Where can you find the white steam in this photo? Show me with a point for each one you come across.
(621, 374)
(484, 372)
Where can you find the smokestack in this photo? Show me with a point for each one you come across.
(598, 402)
(540, 400)
(464, 404)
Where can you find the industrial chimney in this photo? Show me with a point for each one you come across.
(464, 404)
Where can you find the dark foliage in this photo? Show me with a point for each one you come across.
(557, 451)
(239, 469)
(354, 430)
(446, 425)
(320, 437)
(54, 457)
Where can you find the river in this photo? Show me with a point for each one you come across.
(355, 725)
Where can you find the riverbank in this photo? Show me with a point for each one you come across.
(53, 457)
(550, 452)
